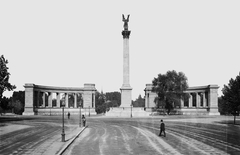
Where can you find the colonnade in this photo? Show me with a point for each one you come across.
(201, 97)
(39, 97)
(47, 99)
(196, 99)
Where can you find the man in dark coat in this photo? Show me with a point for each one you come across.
(68, 115)
(162, 128)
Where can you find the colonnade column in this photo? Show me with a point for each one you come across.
(190, 100)
(197, 100)
(66, 100)
(75, 100)
(182, 103)
(93, 100)
(38, 98)
(43, 98)
(58, 99)
(49, 99)
(204, 99)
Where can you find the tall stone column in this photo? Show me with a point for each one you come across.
(126, 90)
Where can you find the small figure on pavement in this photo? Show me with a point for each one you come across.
(68, 115)
(162, 128)
(84, 120)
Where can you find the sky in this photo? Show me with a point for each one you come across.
(69, 43)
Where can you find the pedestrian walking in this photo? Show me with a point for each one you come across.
(68, 115)
(162, 129)
(83, 120)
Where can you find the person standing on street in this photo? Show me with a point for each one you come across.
(68, 115)
(84, 120)
(162, 129)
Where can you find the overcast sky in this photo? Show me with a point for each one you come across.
(69, 43)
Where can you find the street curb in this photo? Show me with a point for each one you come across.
(69, 143)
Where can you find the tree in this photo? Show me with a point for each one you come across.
(139, 102)
(100, 99)
(114, 97)
(222, 106)
(170, 88)
(231, 96)
(4, 104)
(4, 77)
(17, 102)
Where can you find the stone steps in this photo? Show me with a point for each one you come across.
(127, 112)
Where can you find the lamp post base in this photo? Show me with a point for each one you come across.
(63, 137)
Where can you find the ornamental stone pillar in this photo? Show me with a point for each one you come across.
(29, 98)
(88, 99)
(213, 100)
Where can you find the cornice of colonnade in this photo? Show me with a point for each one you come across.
(87, 87)
(190, 89)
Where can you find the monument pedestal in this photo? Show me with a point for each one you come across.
(28, 111)
(126, 96)
(127, 112)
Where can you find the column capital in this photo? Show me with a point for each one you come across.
(126, 34)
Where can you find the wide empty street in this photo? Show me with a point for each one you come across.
(109, 136)
(116, 136)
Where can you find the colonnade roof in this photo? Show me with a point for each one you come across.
(189, 89)
(54, 88)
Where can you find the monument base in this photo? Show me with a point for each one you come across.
(126, 97)
(127, 112)
(213, 111)
(28, 111)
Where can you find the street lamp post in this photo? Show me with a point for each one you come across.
(80, 120)
(89, 111)
(131, 109)
(63, 133)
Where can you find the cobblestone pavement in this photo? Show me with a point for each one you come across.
(140, 136)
